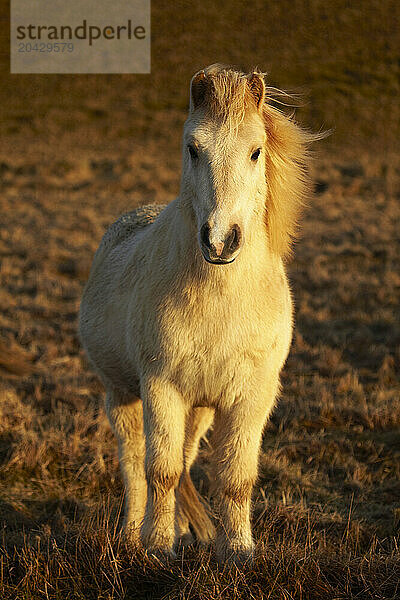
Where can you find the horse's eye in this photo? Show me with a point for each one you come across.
(193, 152)
(255, 154)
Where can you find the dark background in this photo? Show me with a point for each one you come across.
(344, 55)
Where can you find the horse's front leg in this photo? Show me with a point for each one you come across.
(236, 443)
(164, 426)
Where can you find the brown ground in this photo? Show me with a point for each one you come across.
(77, 151)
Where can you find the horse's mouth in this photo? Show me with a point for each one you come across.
(218, 261)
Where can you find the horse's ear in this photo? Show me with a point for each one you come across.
(198, 89)
(257, 88)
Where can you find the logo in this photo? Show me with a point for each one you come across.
(89, 36)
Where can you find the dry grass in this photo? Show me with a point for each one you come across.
(75, 152)
(327, 505)
(296, 559)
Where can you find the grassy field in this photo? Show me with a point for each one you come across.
(76, 152)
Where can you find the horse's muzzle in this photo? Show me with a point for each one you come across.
(221, 253)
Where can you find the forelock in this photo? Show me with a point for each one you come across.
(228, 95)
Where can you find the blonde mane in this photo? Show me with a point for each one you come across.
(227, 96)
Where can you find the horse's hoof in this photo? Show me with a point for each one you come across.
(241, 558)
(131, 535)
(187, 539)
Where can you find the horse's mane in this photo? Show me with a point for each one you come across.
(228, 94)
(288, 177)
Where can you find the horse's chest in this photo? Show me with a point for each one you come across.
(211, 350)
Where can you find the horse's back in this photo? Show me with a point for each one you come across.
(113, 252)
(129, 225)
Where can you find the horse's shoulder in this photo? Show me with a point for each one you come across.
(129, 224)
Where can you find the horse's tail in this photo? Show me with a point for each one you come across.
(195, 509)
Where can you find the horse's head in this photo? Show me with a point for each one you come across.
(224, 161)
(242, 160)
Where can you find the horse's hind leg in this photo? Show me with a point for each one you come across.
(190, 508)
(125, 413)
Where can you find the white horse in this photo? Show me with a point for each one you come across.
(187, 315)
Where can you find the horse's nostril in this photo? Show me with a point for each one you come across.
(205, 235)
(220, 252)
(233, 240)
